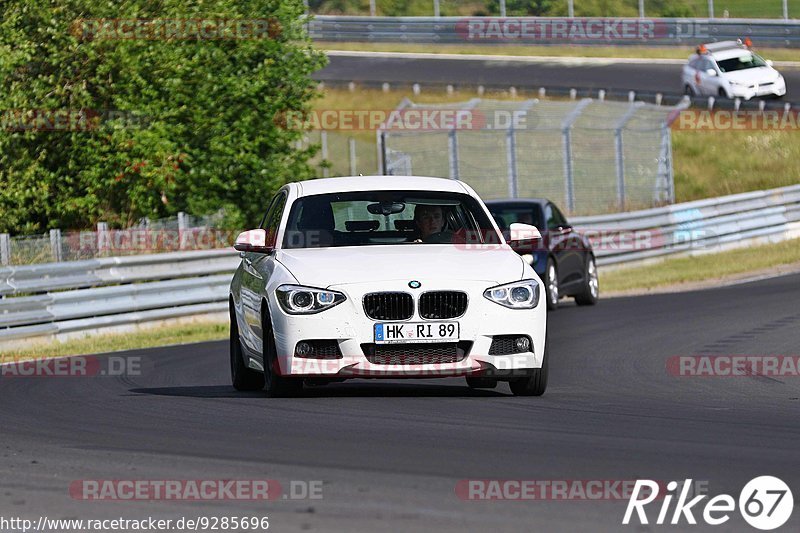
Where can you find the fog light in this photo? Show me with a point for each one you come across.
(522, 344)
(302, 349)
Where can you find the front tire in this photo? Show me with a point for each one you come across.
(551, 284)
(591, 284)
(535, 383)
(275, 385)
(242, 377)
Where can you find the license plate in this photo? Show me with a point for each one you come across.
(416, 332)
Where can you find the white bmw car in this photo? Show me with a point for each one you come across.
(384, 277)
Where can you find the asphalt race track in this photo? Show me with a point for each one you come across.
(653, 77)
(390, 453)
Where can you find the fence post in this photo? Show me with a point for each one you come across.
(620, 155)
(503, 8)
(372, 9)
(352, 144)
(5, 249)
(55, 245)
(435, 8)
(641, 9)
(381, 145)
(566, 127)
(102, 237)
(785, 9)
(324, 140)
(570, 8)
(453, 145)
(511, 160)
(711, 9)
(181, 230)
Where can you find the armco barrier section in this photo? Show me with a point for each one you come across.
(700, 226)
(56, 298)
(548, 30)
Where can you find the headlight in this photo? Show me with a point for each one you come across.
(299, 300)
(518, 295)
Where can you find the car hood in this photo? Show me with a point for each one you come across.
(323, 267)
(753, 75)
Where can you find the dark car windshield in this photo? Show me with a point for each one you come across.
(741, 63)
(387, 217)
(507, 214)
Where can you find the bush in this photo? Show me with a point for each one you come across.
(117, 129)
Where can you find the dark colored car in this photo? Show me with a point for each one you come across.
(563, 258)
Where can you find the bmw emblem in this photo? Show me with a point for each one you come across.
(414, 284)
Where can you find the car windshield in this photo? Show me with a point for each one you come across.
(741, 62)
(387, 217)
(505, 215)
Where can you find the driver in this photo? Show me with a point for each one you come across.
(429, 219)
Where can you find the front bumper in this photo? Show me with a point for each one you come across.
(348, 325)
(777, 88)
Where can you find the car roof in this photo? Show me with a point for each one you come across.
(728, 54)
(510, 201)
(378, 183)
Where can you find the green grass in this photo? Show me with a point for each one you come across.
(702, 267)
(710, 164)
(745, 8)
(644, 52)
(145, 338)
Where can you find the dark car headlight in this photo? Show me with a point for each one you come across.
(517, 295)
(300, 300)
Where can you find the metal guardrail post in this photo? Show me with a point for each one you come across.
(55, 245)
(710, 9)
(503, 8)
(570, 8)
(5, 249)
(436, 12)
(785, 9)
(453, 151)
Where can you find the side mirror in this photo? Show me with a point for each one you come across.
(254, 240)
(520, 234)
(711, 72)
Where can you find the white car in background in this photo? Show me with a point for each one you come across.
(387, 277)
(730, 69)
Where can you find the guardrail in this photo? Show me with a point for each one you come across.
(702, 226)
(50, 300)
(548, 30)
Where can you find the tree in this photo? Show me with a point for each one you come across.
(120, 119)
